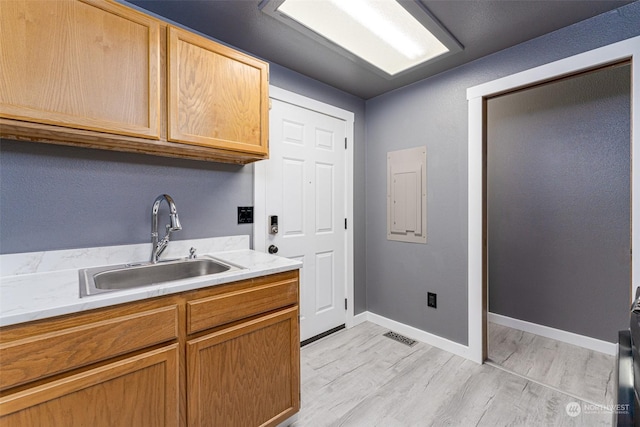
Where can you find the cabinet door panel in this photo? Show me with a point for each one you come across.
(218, 97)
(246, 375)
(138, 391)
(82, 64)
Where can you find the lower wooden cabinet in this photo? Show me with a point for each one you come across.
(247, 374)
(140, 390)
(224, 356)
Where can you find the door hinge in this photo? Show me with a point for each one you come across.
(345, 223)
(345, 142)
(345, 303)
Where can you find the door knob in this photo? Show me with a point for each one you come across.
(273, 249)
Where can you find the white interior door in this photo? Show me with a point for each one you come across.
(305, 188)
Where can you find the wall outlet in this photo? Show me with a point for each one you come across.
(432, 300)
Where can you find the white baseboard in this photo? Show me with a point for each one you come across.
(357, 319)
(415, 333)
(463, 350)
(556, 334)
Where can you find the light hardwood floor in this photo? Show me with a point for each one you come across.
(358, 377)
(580, 372)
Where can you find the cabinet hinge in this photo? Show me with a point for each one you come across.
(345, 142)
(345, 223)
(345, 303)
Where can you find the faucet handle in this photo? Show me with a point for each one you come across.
(192, 253)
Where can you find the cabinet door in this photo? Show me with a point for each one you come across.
(217, 97)
(245, 375)
(90, 64)
(137, 391)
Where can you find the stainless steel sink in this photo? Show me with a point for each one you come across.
(128, 276)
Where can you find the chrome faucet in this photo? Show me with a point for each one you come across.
(159, 246)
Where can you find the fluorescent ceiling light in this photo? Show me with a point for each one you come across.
(384, 33)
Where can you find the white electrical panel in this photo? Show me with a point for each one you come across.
(407, 195)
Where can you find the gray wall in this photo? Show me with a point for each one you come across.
(559, 204)
(433, 112)
(57, 197)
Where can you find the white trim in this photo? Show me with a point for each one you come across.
(311, 104)
(259, 207)
(555, 334)
(475, 292)
(417, 334)
(260, 214)
(463, 350)
(359, 318)
(626, 49)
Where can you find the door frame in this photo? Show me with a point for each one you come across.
(476, 96)
(260, 226)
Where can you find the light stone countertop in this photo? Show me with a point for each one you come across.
(40, 285)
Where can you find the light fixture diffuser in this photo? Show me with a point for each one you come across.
(391, 36)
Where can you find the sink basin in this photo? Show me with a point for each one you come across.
(128, 276)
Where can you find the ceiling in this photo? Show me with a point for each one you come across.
(481, 26)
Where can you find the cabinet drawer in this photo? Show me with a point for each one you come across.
(39, 356)
(227, 307)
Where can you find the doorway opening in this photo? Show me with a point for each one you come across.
(627, 50)
(558, 229)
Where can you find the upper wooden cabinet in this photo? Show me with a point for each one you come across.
(95, 73)
(81, 64)
(218, 97)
